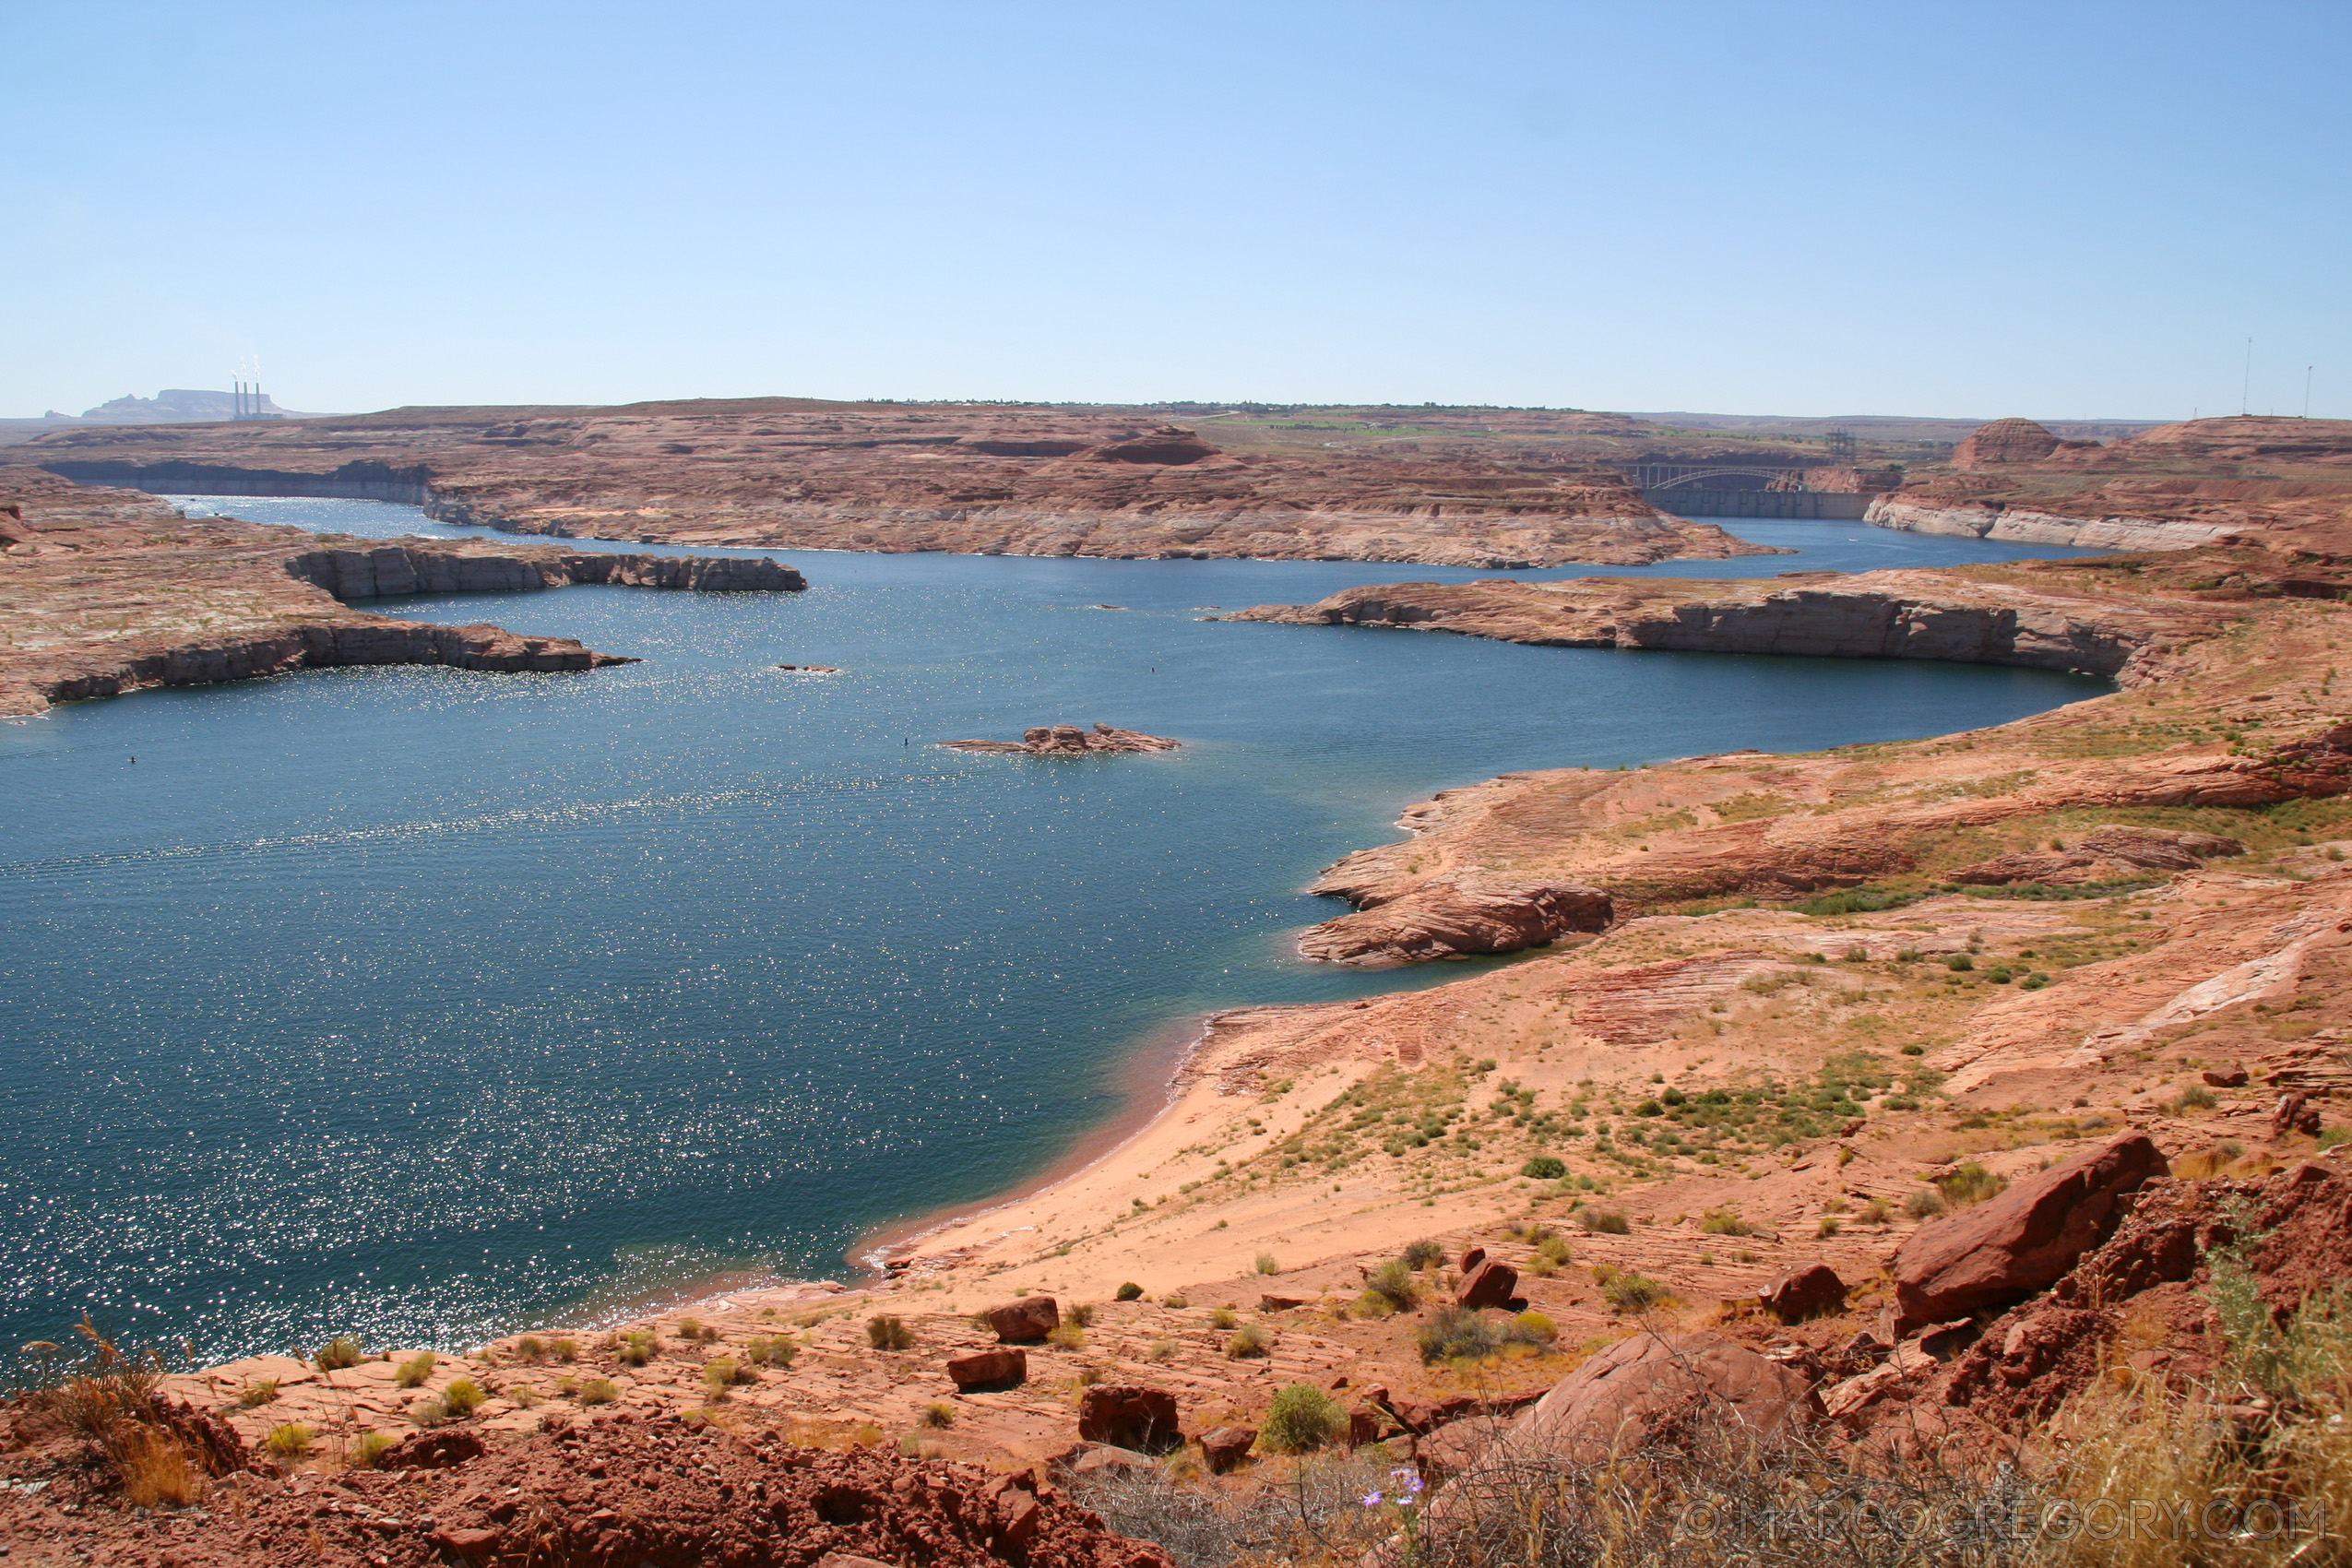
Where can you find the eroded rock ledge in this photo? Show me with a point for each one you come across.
(1945, 616)
(107, 591)
(1068, 740)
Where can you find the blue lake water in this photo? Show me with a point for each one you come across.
(433, 1004)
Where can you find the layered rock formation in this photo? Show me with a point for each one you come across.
(2282, 483)
(1068, 740)
(1448, 916)
(107, 591)
(890, 477)
(2050, 624)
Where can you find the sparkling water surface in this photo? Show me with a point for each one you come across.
(433, 1004)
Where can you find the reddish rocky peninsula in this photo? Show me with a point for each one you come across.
(105, 591)
(1007, 481)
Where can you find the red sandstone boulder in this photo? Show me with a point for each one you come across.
(1492, 1284)
(1227, 1447)
(2295, 1113)
(990, 1369)
(1028, 1319)
(1628, 1391)
(1129, 1416)
(1811, 1292)
(2230, 1077)
(2008, 1247)
(1471, 1258)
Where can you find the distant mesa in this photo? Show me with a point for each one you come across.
(178, 405)
(1068, 740)
(1168, 445)
(2009, 441)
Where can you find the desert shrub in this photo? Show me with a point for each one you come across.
(1631, 1292)
(1545, 1167)
(1081, 1315)
(1265, 1263)
(1066, 1336)
(1130, 1292)
(1827, 1228)
(464, 1396)
(428, 1412)
(1959, 963)
(771, 1349)
(531, 1347)
(1531, 1328)
(939, 1413)
(370, 1447)
(258, 1393)
(288, 1440)
(1390, 1287)
(885, 1332)
(1456, 1334)
(1223, 1318)
(1301, 1419)
(1724, 1222)
(415, 1369)
(1969, 1184)
(1249, 1340)
(2196, 1096)
(1175, 1303)
(524, 1395)
(695, 1331)
(1603, 1221)
(597, 1390)
(1553, 1246)
(567, 1349)
(1161, 1350)
(723, 1372)
(1878, 1211)
(338, 1354)
(1924, 1204)
(1423, 1253)
(633, 1349)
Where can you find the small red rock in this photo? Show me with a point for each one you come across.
(1493, 1284)
(1226, 1447)
(1811, 1291)
(1028, 1319)
(987, 1368)
(1129, 1416)
(2231, 1077)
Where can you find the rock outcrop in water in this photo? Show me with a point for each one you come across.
(107, 591)
(1068, 740)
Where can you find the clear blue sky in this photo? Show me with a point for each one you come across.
(2059, 210)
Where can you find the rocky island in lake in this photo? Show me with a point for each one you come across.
(1068, 740)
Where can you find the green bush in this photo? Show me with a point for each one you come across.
(1630, 1292)
(1971, 1183)
(289, 1440)
(1924, 1204)
(1545, 1167)
(1265, 1263)
(1066, 1336)
(1959, 963)
(1222, 1319)
(1456, 1334)
(371, 1447)
(338, 1353)
(885, 1332)
(1724, 1222)
(1301, 1420)
(1425, 1253)
(2195, 1098)
(597, 1390)
(567, 1349)
(463, 1397)
(1391, 1286)
(1130, 1292)
(1249, 1340)
(412, 1372)
(1531, 1328)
